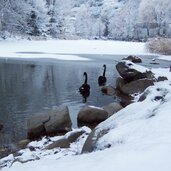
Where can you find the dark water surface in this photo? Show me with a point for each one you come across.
(32, 86)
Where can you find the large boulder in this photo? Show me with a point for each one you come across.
(134, 59)
(35, 125)
(91, 116)
(137, 86)
(130, 71)
(112, 108)
(53, 122)
(59, 122)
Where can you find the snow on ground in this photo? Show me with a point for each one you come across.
(139, 137)
(162, 72)
(36, 150)
(61, 49)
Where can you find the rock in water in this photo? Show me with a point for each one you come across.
(91, 116)
(130, 71)
(53, 122)
(137, 86)
(35, 125)
(108, 90)
(59, 122)
(134, 59)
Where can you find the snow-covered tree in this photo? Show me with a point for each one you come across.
(115, 19)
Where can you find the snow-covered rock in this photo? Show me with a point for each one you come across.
(130, 71)
(134, 59)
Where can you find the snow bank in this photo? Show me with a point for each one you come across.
(60, 48)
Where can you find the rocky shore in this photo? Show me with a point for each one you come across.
(52, 133)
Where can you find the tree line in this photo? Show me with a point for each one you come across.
(90, 19)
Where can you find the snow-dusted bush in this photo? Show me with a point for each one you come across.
(159, 45)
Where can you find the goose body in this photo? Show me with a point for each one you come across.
(85, 88)
(102, 79)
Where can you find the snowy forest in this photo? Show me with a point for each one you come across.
(87, 19)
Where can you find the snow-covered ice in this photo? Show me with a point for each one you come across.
(71, 49)
(164, 57)
(62, 49)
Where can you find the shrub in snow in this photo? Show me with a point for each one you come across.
(159, 45)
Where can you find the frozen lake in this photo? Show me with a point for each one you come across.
(31, 86)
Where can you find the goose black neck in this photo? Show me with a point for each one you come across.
(104, 70)
(85, 74)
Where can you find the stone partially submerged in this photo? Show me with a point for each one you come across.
(108, 90)
(53, 122)
(134, 59)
